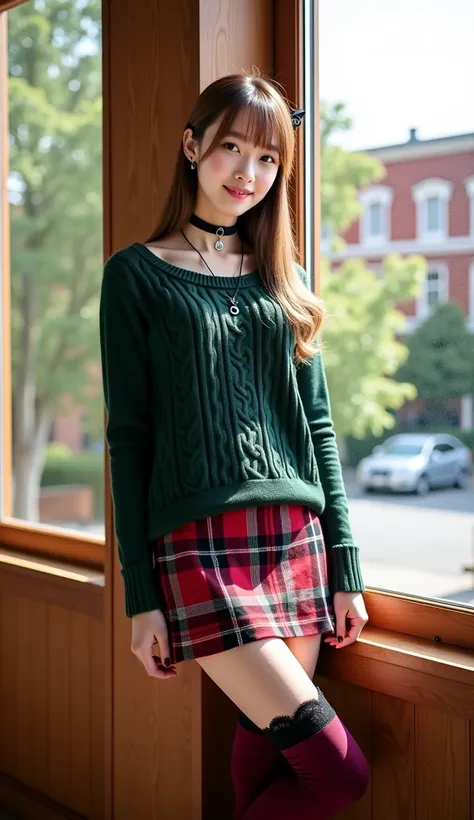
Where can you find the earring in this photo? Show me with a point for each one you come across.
(193, 165)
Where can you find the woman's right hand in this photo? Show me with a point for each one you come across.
(149, 628)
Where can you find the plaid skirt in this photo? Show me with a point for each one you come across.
(243, 575)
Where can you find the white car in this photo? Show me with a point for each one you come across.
(416, 462)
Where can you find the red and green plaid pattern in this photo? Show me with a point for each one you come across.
(243, 575)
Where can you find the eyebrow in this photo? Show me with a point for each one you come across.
(242, 137)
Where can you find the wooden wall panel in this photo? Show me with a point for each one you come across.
(288, 26)
(422, 758)
(471, 773)
(51, 704)
(393, 762)
(235, 34)
(442, 766)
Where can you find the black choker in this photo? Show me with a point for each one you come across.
(219, 230)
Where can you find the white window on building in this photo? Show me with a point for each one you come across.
(433, 214)
(376, 202)
(376, 219)
(435, 290)
(469, 183)
(432, 209)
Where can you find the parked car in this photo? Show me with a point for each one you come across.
(416, 462)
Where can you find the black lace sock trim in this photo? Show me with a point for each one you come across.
(245, 721)
(310, 718)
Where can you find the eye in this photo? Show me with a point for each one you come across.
(264, 158)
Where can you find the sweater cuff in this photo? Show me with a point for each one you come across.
(141, 594)
(345, 571)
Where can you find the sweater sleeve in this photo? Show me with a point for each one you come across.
(126, 384)
(343, 554)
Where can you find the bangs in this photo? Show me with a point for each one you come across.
(268, 125)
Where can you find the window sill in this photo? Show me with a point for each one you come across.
(52, 543)
(54, 582)
(415, 669)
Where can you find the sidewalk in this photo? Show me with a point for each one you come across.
(426, 584)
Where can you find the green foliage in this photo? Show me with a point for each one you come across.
(55, 193)
(343, 173)
(85, 468)
(441, 358)
(57, 450)
(361, 351)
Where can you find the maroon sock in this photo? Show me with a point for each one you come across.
(255, 763)
(329, 771)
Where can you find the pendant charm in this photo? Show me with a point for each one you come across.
(219, 244)
(234, 310)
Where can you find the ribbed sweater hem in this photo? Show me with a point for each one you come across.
(141, 593)
(255, 492)
(343, 560)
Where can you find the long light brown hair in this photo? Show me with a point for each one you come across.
(266, 228)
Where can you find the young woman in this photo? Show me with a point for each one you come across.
(230, 509)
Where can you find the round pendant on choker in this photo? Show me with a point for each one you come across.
(219, 244)
(219, 230)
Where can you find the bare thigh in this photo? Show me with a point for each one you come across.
(306, 648)
(268, 677)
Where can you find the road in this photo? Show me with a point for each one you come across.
(415, 545)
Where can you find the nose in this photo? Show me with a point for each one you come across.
(246, 171)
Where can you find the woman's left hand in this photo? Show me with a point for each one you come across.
(348, 606)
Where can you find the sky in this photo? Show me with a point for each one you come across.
(398, 64)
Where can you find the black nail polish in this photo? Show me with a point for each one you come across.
(167, 661)
(339, 638)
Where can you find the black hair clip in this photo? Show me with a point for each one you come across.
(297, 117)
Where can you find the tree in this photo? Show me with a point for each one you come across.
(343, 173)
(361, 349)
(55, 125)
(441, 359)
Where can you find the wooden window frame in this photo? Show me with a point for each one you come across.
(7, 5)
(440, 623)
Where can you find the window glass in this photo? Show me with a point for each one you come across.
(398, 340)
(433, 285)
(375, 219)
(54, 192)
(402, 449)
(433, 214)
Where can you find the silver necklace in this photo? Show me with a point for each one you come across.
(234, 309)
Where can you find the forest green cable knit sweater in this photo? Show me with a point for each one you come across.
(207, 412)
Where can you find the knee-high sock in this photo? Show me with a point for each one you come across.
(255, 763)
(328, 773)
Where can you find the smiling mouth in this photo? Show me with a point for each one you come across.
(238, 194)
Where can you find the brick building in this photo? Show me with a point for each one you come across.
(424, 205)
